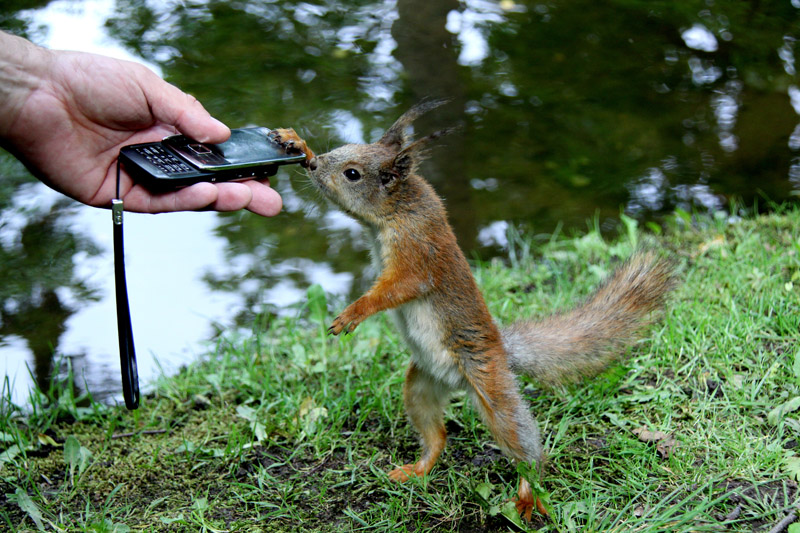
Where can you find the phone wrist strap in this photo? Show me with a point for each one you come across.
(127, 352)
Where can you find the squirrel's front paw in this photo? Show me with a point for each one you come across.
(291, 142)
(343, 322)
(287, 138)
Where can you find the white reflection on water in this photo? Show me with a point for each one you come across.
(726, 108)
(698, 37)
(466, 25)
(79, 26)
(495, 234)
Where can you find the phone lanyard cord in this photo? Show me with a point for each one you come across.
(127, 352)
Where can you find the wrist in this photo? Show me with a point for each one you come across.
(22, 69)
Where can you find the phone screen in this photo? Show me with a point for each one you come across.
(246, 147)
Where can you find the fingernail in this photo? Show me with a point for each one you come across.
(220, 123)
(213, 132)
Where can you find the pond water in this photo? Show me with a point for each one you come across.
(569, 112)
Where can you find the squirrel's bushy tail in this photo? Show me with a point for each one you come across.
(582, 342)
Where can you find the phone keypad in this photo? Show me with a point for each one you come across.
(159, 157)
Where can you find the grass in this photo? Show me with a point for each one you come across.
(289, 429)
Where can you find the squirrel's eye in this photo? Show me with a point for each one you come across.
(352, 174)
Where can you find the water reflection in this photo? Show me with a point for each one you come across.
(40, 254)
(699, 38)
(568, 111)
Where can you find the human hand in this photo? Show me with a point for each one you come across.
(67, 114)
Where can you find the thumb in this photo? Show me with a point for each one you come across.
(172, 106)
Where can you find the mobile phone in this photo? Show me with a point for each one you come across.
(179, 161)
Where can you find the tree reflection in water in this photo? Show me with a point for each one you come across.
(41, 289)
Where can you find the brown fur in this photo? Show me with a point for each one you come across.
(426, 280)
(580, 343)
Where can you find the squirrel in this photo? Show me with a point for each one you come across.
(428, 286)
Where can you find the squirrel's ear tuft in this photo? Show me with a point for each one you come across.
(396, 136)
(406, 161)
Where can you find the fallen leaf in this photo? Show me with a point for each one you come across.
(46, 440)
(775, 416)
(717, 242)
(645, 435)
(27, 505)
(306, 406)
(665, 446)
(665, 442)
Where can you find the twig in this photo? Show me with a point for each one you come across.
(783, 524)
(145, 432)
(733, 515)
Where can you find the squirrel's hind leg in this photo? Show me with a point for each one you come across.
(425, 400)
(495, 393)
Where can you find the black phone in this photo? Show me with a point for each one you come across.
(179, 161)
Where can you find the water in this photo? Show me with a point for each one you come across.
(569, 112)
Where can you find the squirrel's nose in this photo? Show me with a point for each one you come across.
(312, 165)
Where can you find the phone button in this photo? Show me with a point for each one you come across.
(200, 148)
